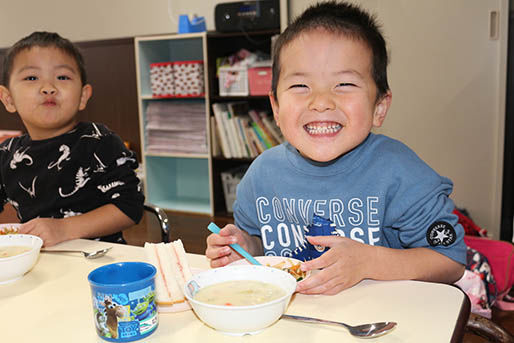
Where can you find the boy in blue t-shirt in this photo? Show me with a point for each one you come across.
(66, 179)
(348, 202)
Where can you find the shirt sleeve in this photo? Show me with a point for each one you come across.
(118, 183)
(428, 221)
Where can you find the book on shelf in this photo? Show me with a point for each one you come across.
(265, 134)
(215, 138)
(234, 138)
(272, 128)
(244, 132)
(261, 136)
(245, 125)
(221, 123)
(255, 141)
(237, 110)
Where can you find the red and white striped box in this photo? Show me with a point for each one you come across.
(161, 79)
(188, 78)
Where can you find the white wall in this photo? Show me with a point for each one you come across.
(447, 77)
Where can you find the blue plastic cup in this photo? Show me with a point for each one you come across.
(124, 306)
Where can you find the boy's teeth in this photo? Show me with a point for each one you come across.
(314, 129)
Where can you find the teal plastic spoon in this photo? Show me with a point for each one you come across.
(215, 229)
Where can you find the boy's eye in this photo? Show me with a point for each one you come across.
(30, 78)
(298, 86)
(345, 84)
(63, 77)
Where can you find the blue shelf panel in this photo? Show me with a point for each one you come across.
(178, 184)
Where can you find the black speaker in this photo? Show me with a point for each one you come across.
(247, 16)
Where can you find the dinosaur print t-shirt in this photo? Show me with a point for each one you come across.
(70, 174)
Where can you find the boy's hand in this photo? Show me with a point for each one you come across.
(50, 230)
(218, 250)
(342, 266)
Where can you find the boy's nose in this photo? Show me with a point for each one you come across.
(48, 89)
(321, 101)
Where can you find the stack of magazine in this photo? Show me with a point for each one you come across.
(176, 127)
(243, 132)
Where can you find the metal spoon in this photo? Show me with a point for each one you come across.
(362, 331)
(90, 255)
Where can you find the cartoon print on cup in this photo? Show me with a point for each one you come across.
(113, 312)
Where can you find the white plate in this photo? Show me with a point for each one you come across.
(6, 229)
(271, 261)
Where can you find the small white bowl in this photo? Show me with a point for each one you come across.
(14, 267)
(240, 320)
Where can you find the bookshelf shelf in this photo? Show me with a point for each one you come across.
(151, 97)
(189, 182)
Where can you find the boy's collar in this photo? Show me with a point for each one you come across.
(343, 163)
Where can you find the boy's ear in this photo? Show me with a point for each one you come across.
(381, 109)
(87, 91)
(274, 106)
(6, 98)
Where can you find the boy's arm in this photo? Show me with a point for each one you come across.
(102, 221)
(347, 262)
(421, 264)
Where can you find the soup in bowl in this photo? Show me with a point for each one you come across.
(18, 254)
(239, 300)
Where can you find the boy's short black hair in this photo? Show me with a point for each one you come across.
(42, 39)
(340, 18)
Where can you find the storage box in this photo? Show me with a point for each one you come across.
(233, 81)
(161, 79)
(230, 180)
(259, 78)
(188, 78)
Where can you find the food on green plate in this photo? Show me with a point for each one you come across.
(293, 269)
(8, 230)
(239, 293)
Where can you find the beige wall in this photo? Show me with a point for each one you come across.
(99, 19)
(447, 76)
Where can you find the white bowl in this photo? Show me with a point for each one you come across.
(14, 267)
(240, 320)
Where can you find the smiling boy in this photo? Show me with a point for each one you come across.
(66, 179)
(351, 203)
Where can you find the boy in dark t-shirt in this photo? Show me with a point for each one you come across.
(66, 179)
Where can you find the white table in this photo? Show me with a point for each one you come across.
(52, 303)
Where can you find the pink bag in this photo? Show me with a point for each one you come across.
(500, 255)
